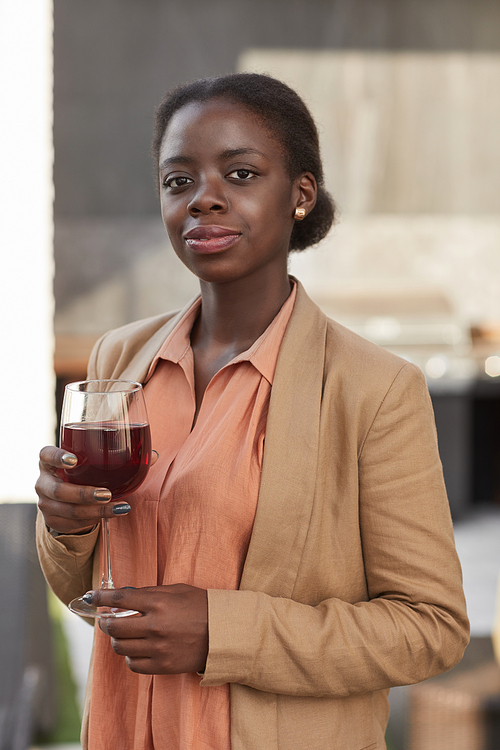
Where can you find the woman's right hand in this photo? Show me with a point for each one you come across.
(71, 508)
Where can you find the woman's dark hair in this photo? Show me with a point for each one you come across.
(287, 118)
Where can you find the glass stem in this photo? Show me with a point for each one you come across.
(107, 578)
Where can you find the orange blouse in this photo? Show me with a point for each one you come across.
(191, 522)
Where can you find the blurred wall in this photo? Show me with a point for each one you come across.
(412, 157)
(114, 60)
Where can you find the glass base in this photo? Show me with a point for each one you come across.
(79, 607)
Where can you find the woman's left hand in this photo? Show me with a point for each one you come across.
(170, 637)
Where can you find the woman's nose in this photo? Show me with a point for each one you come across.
(209, 196)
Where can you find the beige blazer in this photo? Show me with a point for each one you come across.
(351, 583)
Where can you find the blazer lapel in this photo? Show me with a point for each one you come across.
(290, 455)
(138, 367)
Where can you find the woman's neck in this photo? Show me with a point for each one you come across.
(234, 315)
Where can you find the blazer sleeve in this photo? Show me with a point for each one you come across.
(66, 560)
(413, 624)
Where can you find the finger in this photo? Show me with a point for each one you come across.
(71, 518)
(57, 457)
(134, 648)
(81, 513)
(141, 665)
(125, 629)
(125, 598)
(142, 599)
(51, 486)
(55, 483)
(154, 457)
(67, 507)
(146, 598)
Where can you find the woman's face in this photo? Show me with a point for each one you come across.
(227, 200)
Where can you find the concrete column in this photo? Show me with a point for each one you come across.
(27, 415)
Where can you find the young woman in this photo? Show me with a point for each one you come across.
(291, 549)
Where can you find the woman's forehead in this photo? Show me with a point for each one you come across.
(216, 123)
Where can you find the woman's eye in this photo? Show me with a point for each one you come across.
(176, 181)
(242, 174)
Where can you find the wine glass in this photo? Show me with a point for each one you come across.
(105, 424)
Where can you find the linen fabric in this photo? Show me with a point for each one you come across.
(351, 583)
(191, 523)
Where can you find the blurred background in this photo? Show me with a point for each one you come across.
(406, 94)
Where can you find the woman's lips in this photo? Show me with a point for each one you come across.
(210, 239)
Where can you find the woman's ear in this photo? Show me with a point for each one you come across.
(305, 197)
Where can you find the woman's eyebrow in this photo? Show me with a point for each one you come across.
(231, 152)
(175, 160)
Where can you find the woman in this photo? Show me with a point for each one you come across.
(291, 549)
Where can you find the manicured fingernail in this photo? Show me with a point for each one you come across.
(69, 459)
(87, 598)
(128, 587)
(102, 495)
(121, 509)
(156, 453)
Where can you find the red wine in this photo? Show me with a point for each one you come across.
(109, 455)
